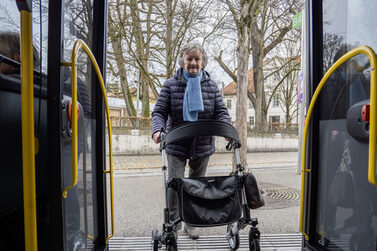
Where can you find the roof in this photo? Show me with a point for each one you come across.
(231, 88)
(133, 91)
(120, 103)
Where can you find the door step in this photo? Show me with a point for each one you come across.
(277, 242)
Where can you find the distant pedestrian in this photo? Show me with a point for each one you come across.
(190, 95)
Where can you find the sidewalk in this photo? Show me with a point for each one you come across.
(138, 183)
(254, 159)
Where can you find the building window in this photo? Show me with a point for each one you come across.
(275, 101)
(274, 122)
(229, 104)
(251, 120)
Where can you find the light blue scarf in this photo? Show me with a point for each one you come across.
(193, 100)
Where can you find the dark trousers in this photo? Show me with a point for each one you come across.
(176, 169)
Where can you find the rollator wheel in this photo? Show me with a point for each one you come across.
(155, 240)
(172, 246)
(254, 245)
(233, 239)
(254, 239)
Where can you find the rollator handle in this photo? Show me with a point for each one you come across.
(202, 128)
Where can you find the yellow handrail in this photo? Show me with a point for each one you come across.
(77, 46)
(27, 124)
(372, 135)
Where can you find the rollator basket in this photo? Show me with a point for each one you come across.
(208, 201)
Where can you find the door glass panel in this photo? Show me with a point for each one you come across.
(80, 205)
(347, 204)
(11, 203)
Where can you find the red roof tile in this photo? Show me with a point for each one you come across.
(231, 88)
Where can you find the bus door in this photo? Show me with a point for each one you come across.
(71, 203)
(342, 204)
(84, 203)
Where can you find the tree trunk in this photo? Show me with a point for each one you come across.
(116, 44)
(145, 98)
(242, 83)
(130, 108)
(168, 39)
(142, 56)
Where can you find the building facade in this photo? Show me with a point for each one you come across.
(275, 113)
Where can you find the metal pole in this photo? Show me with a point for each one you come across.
(301, 111)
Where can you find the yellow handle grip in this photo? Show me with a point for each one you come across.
(77, 46)
(74, 126)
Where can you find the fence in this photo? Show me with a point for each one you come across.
(125, 125)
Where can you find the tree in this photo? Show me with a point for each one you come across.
(268, 23)
(331, 45)
(261, 26)
(145, 38)
(274, 22)
(242, 15)
(284, 68)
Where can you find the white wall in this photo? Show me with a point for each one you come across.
(128, 144)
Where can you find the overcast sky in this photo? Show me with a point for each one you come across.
(10, 18)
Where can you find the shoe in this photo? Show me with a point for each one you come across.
(192, 232)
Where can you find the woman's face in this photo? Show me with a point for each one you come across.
(193, 62)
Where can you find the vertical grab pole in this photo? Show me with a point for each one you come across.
(27, 118)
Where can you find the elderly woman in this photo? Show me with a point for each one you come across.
(190, 95)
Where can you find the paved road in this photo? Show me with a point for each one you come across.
(138, 189)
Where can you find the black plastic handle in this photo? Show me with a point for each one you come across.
(201, 128)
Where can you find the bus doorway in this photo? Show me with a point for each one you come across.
(340, 204)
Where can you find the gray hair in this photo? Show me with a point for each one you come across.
(10, 45)
(189, 47)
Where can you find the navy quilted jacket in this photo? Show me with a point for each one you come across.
(168, 114)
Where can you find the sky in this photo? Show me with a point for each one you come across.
(9, 20)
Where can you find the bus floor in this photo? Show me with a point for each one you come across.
(277, 242)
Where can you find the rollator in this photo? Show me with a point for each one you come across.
(207, 201)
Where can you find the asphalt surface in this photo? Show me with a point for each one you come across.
(139, 192)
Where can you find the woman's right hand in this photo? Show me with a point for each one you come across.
(157, 137)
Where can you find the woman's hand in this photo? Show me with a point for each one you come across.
(157, 137)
